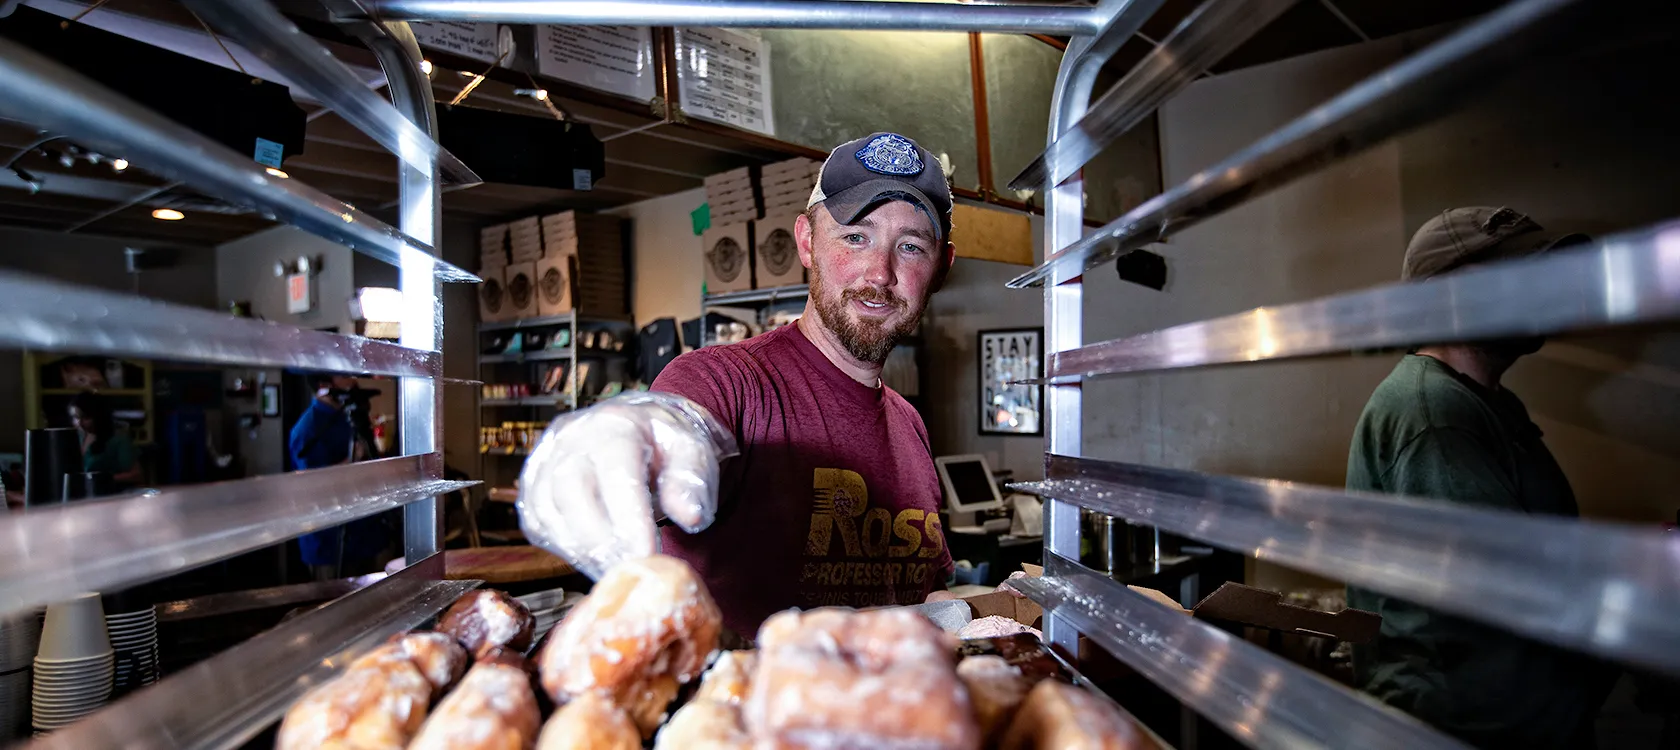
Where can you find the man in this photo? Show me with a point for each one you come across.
(325, 436)
(833, 498)
(1441, 426)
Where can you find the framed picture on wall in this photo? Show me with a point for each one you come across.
(271, 399)
(1008, 355)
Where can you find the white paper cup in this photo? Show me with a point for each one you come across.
(74, 629)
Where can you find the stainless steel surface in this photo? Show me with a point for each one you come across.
(420, 204)
(761, 14)
(44, 315)
(50, 554)
(44, 93)
(1626, 278)
(1403, 96)
(308, 65)
(1203, 38)
(1260, 699)
(1610, 589)
(226, 700)
(772, 294)
(233, 602)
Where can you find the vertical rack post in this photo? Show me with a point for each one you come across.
(1064, 219)
(420, 205)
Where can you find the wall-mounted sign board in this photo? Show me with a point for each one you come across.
(724, 76)
(614, 59)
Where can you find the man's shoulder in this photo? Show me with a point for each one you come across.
(743, 358)
(1421, 394)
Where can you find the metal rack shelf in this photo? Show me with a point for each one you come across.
(228, 699)
(558, 401)
(546, 355)
(51, 554)
(753, 296)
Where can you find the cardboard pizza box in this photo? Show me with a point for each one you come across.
(775, 254)
(727, 250)
(554, 285)
(492, 296)
(521, 282)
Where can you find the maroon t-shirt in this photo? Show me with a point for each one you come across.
(833, 500)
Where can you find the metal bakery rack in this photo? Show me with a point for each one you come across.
(1601, 588)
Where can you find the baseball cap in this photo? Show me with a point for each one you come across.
(1459, 237)
(861, 174)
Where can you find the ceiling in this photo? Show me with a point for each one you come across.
(644, 157)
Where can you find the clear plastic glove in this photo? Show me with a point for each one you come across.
(590, 487)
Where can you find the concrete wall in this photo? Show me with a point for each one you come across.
(245, 272)
(95, 261)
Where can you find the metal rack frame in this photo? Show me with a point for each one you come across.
(1629, 609)
(55, 553)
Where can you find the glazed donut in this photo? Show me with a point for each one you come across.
(375, 706)
(590, 722)
(1059, 716)
(728, 679)
(836, 678)
(996, 688)
(704, 725)
(494, 708)
(486, 619)
(648, 627)
(438, 657)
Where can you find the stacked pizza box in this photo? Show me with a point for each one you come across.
(525, 250)
(727, 245)
(733, 196)
(786, 186)
(584, 266)
(492, 264)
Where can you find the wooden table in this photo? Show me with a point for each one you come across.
(503, 564)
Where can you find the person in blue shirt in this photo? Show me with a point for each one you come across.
(325, 436)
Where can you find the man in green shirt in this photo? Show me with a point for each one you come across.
(1441, 426)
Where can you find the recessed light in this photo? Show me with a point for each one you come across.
(119, 164)
(167, 214)
(426, 67)
(276, 173)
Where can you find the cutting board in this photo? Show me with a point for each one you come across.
(503, 564)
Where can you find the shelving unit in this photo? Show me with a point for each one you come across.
(530, 368)
(46, 407)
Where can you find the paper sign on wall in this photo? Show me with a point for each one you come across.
(475, 41)
(614, 59)
(724, 75)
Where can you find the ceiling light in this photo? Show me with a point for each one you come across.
(118, 165)
(276, 173)
(168, 214)
(537, 94)
(426, 67)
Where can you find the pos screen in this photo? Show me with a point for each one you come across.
(968, 483)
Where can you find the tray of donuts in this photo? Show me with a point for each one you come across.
(637, 664)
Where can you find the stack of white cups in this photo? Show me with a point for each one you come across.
(134, 638)
(20, 636)
(75, 664)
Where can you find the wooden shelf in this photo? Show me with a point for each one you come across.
(101, 391)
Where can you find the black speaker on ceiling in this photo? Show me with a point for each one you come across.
(523, 150)
(228, 106)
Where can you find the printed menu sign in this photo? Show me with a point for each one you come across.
(476, 41)
(724, 75)
(614, 59)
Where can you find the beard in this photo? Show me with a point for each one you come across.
(866, 340)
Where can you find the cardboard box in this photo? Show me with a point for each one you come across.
(723, 198)
(492, 296)
(521, 282)
(796, 165)
(492, 246)
(554, 285)
(736, 217)
(727, 250)
(775, 254)
(798, 190)
(743, 174)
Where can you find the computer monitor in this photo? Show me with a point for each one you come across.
(968, 483)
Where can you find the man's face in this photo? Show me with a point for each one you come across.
(343, 383)
(870, 281)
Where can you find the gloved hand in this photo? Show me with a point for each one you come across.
(589, 489)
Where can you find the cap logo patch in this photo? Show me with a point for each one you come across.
(890, 153)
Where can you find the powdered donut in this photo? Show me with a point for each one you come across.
(590, 723)
(647, 627)
(494, 708)
(438, 657)
(877, 680)
(704, 725)
(1059, 716)
(374, 706)
(995, 688)
(729, 678)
